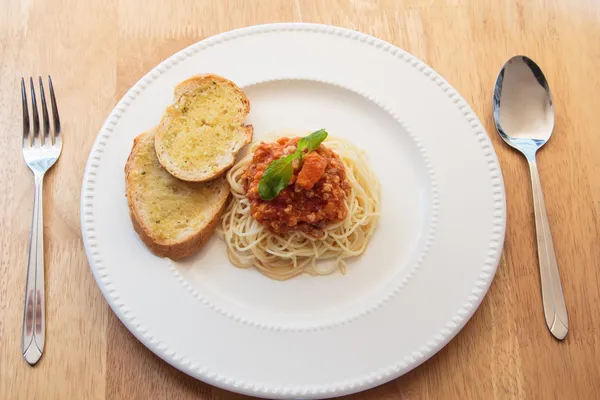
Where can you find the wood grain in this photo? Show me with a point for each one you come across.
(96, 50)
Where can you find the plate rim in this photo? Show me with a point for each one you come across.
(431, 348)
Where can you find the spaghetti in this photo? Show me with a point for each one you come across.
(285, 255)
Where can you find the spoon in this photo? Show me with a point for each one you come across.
(524, 118)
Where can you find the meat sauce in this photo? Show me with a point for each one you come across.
(314, 198)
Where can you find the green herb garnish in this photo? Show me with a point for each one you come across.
(279, 172)
(312, 141)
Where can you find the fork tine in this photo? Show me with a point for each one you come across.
(25, 113)
(46, 126)
(55, 116)
(34, 113)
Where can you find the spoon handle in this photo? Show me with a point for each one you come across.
(555, 309)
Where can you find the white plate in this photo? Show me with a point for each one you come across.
(427, 268)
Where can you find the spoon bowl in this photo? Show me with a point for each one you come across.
(524, 118)
(523, 108)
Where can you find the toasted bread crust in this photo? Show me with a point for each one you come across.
(193, 82)
(174, 250)
(189, 85)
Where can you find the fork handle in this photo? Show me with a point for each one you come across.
(34, 313)
(555, 310)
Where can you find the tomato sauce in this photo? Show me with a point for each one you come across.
(314, 198)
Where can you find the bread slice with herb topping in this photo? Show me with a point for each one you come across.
(201, 133)
(172, 217)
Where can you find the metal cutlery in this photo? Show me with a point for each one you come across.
(524, 118)
(42, 145)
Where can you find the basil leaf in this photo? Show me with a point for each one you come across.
(312, 141)
(279, 172)
(276, 177)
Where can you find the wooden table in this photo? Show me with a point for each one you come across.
(96, 51)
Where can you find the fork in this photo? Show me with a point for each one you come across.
(40, 151)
